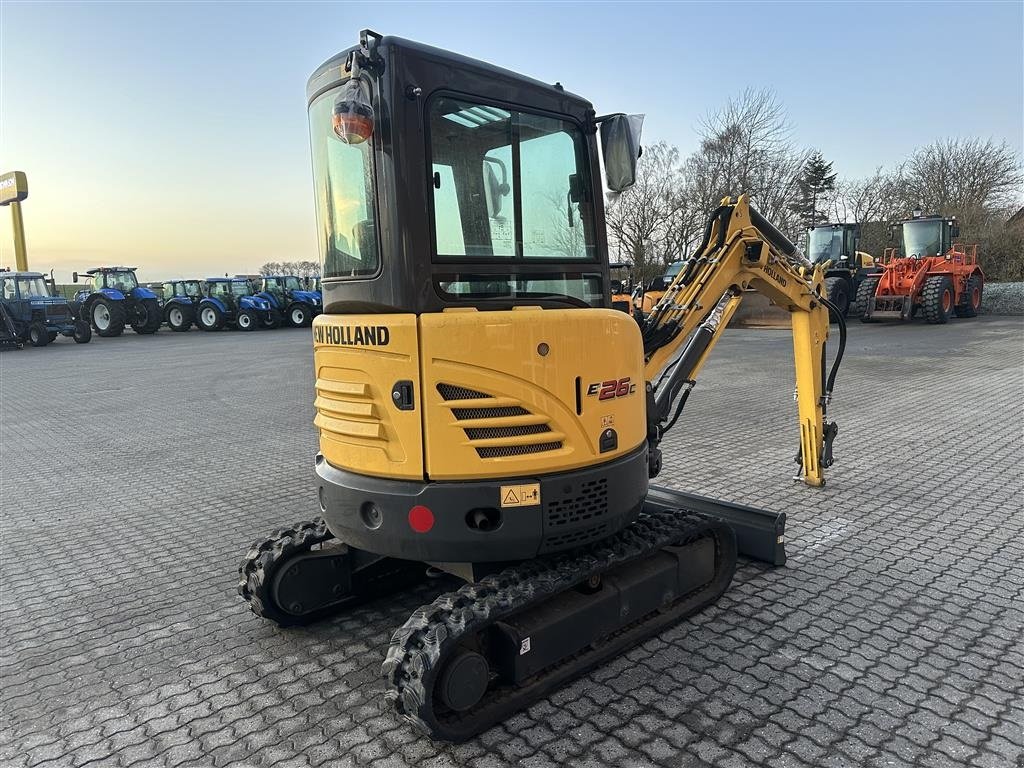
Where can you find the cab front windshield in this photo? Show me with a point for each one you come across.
(240, 287)
(922, 238)
(193, 289)
(824, 243)
(30, 287)
(119, 281)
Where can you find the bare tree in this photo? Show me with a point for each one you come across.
(879, 197)
(747, 147)
(639, 219)
(969, 178)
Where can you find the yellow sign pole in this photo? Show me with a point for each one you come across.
(14, 189)
(20, 254)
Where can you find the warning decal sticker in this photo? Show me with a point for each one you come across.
(520, 495)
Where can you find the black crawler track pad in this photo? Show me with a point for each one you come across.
(302, 574)
(473, 657)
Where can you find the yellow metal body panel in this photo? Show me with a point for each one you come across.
(360, 428)
(531, 366)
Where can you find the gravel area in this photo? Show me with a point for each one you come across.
(1003, 299)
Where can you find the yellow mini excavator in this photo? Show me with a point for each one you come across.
(481, 408)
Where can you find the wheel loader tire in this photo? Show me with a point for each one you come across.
(38, 336)
(865, 296)
(149, 317)
(246, 320)
(837, 290)
(210, 318)
(937, 299)
(179, 318)
(970, 301)
(299, 315)
(107, 317)
(83, 332)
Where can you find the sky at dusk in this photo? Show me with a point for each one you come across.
(173, 137)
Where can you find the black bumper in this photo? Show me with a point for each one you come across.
(576, 508)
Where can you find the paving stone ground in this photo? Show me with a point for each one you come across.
(136, 470)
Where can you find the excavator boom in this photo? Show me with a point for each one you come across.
(741, 250)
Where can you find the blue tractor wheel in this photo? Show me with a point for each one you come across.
(210, 318)
(83, 332)
(38, 335)
(246, 320)
(299, 315)
(107, 316)
(148, 317)
(179, 317)
(271, 319)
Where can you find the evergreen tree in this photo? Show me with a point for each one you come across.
(816, 180)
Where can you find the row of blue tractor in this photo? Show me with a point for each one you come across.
(116, 299)
(242, 302)
(31, 312)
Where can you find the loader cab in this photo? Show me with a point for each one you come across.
(924, 236)
(444, 182)
(833, 242)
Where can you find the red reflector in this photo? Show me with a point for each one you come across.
(421, 519)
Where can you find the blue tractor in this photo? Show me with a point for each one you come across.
(288, 296)
(181, 300)
(116, 299)
(229, 300)
(30, 312)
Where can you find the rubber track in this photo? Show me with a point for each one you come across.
(258, 567)
(421, 646)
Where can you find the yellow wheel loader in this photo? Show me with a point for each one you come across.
(482, 409)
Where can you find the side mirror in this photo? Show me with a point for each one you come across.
(620, 150)
(74, 277)
(955, 232)
(892, 232)
(494, 189)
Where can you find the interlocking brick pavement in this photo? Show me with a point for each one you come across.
(136, 470)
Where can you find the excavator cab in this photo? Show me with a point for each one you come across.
(496, 202)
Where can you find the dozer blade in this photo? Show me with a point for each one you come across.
(760, 534)
(473, 657)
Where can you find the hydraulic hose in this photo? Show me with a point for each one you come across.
(831, 381)
(722, 214)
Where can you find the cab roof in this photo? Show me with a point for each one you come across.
(21, 274)
(98, 270)
(331, 72)
(226, 280)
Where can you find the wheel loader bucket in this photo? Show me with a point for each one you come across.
(756, 311)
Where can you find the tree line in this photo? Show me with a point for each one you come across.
(297, 268)
(747, 146)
